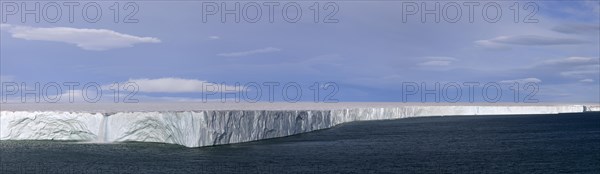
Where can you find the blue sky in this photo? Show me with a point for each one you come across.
(369, 53)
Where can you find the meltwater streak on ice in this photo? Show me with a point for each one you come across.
(215, 127)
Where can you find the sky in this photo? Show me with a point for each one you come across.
(357, 51)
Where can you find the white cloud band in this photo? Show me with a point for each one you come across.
(87, 39)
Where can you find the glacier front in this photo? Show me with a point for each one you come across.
(197, 127)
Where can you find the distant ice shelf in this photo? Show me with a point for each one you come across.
(207, 127)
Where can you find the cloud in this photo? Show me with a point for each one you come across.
(5, 26)
(438, 61)
(527, 40)
(562, 70)
(247, 53)
(586, 80)
(87, 39)
(214, 37)
(491, 45)
(582, 73)
(570, 92)
(179, 85)
(145, 87)
(577, 28)
(522, 81)
(574, 67)
(441, 58)
(572, 61)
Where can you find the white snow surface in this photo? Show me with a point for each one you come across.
(216, 124)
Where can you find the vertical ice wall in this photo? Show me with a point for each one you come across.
(205, 128)
(49, 126)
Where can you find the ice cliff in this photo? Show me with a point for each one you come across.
(214, 127)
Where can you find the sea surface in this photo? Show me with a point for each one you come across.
(564, 143)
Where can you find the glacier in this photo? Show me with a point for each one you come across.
(208, 127)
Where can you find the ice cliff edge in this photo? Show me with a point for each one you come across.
(196, 128)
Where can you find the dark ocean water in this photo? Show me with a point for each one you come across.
(467, 144)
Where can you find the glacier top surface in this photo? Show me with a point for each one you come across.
(181, 106)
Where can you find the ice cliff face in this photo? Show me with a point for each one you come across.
(206, 128)
(49, 126)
